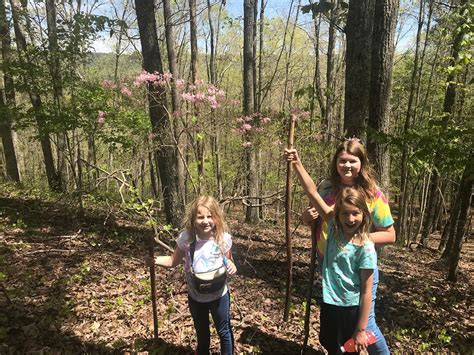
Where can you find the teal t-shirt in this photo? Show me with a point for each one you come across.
(341, 269)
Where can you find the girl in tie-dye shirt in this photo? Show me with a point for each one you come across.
(350, 167)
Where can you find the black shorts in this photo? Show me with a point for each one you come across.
(337, 325)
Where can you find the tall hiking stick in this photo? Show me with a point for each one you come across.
(151, 254)
(289, 248)
(312, 267)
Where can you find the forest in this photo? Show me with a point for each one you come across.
(115, 115)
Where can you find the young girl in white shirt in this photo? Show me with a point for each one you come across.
(205, 247)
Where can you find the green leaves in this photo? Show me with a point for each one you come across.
(317, 8)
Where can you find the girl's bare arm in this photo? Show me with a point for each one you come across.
(170, 261)
(308, 184)
(231, 268)
(383, 236)
(366, 284)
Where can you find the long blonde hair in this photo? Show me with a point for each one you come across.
(365, 179)
(356, 198)
(217, 213)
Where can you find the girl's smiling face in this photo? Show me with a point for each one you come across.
(204, 223)
(348, 167)
(350, 217)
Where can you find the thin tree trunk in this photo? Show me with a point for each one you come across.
(165, 155)
(317, 88)
(180, 138)
(7, 101)
(199, 143)
(252, 211)
(260, 55)
(465, 192)
(409, 118)
(288, 59)
(54, 182)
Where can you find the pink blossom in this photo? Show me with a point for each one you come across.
(188, 97)
(200, 97)
(198, 82)
(221, 93)
(237, 131)
(211, 90)
(126, 91)
(246, 127)
(266, 120)
(101, 117)
(146, 77)
(212, 101)
(247, 144)
(167, 77)
(248, 118)
(235, 102)
(259, 129)
(240, 120)
(108, 84)
(180, 83)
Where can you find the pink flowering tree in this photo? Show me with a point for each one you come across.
(200, 103)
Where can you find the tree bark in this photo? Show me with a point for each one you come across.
(199, 143)
(165, 155)
(465, 193)
(180, 138)
(7, 101)
(54, 181)
(406, 150)
(385, 20)
(252, 212)
(358, 59)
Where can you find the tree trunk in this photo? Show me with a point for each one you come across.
(199, 143)
(465, 193)
(54, 182)
(448, 108)
(252, 212)
(179, 137)
(330, 74)
(358, 59)
(317, 88)
(55, 72)
(287, 96)
(7, 101)
(409, 118)
(260, 56)
(165, 155)
(385, 19)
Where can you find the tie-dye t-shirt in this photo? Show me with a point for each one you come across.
(380, 215)
(341, 269)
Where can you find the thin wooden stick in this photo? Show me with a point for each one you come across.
(289, 248)
(151, 254)
(312, 267)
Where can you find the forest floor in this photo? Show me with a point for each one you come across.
(79, 285)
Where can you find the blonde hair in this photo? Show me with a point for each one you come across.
(365, 179)
(217, 213)
(356, 198)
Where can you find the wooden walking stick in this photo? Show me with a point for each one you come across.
(289, 248)
(151, 254)
(312, 267)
